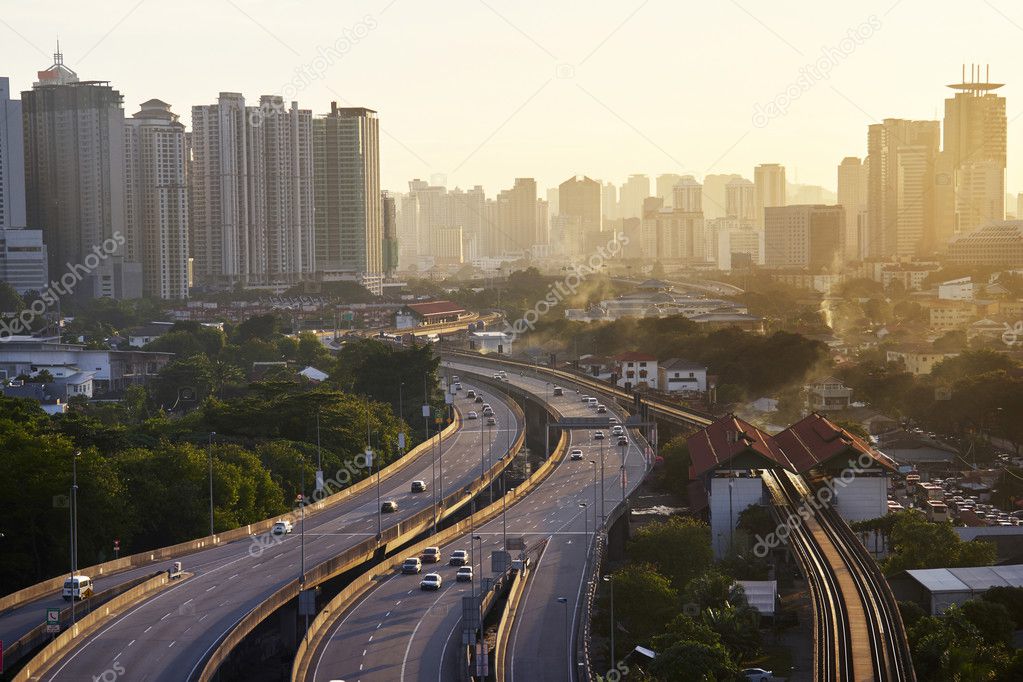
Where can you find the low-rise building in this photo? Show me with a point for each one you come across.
(140, 336)
(956, 289)
(917, 361)
(828, 393)
(111, 370)
(682, 376)
(432, 312)
(491, 342)
(935, 589)
(636, 370)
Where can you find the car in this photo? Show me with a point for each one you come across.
(282, 528)
(473, 415)
(558, 390)
(458, 386)
(479, 397)
(612, 420)
(389, 507)
(411, 565)
(575, 455)
(471, 393)
(431, 581)
(622, 440)
(758, 675)
(592, 402)
(491, 421)
(455, 378)
(503, 375)
(488, 411)
(601, 409)
(497, 375)
(586, 399)
(458, 558)
(431, 555)
(617, 430)
(464, 574)
(77, 588)
(419, 486)
(598, 435)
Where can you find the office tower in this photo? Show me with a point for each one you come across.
(219, 191)
(156, 199)
(517, 229)
(23, 260)
(279, 156)
(634, 191)
(739, 197)
(449, 247)
(74, 180)
(439, 208)
(672, 234)
(349, 233)
(389, 225)
(687, 195)
(902, 157)
(665, 185)
(12, 160)
(609, 201)
(852, 196)
(553, 200)
(580, 198)
(408, 231)
(715, 197)
(466, 208)
(732, 242)
(768, 189)
(975, 140)
(804, 237)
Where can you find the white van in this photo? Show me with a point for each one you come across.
(592, 403)
(78, 587)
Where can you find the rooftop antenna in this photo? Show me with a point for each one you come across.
(58, 58)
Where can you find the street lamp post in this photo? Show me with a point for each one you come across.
(374, 464)
(504, 517)
(209, 452)
(490, 449)
(568, 635)
(586, 526)
(594, 463)
(474, 539)
(611, 584)
(624, 447)
(603, 517)
(73, 510)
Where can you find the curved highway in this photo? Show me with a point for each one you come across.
(399, 633)
(169, 636)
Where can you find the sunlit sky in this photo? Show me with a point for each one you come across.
(482, 92)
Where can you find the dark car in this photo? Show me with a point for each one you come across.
(389, 507)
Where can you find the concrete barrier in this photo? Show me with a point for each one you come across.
(390, 539)
(344, 600)
(33, 592)
(504, 626)
(66, 640)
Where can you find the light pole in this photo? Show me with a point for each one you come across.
(490, 448)
(475, 538)
(73, 522)
(603, 517)
(611, 584)
(504, 517)
(594, 463)
(568, 635)
(624, 447)
(372, 464)
(547, 420)
(586, 526)
(301, 502)
(209, 452)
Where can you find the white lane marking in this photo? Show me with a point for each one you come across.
(147, 629)
(412, 637)
(131, 642)
(210, 589)
(523, 600)
(171, 644)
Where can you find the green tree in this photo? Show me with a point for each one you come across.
(645, 602)
(918, 543)
(992, 620)
(688, 661)
(679, 548)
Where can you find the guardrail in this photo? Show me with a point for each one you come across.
(15, 651)
(53, 651)
(33, 592)
(344, 600)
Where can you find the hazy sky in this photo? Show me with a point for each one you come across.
(483, 92)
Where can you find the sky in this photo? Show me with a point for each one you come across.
(481, 92)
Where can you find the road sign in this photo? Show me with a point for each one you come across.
(53, 620)
(499, 562)
(307, 602)
(515, 543)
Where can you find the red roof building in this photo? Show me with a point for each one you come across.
(815, 441)
(734, 442)
(431, 312)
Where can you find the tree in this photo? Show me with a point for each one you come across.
(993, 621)
(1011, 598)
(10, 300)
(644, 602)
(679, 548)
(918, 543)
(675, 473)
(688, 661)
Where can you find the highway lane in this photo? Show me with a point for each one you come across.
(169, 636)
(398, 632)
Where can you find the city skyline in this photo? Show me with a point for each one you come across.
(607, 103)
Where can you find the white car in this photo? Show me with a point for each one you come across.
(598, 435)
(758, 675)
(473, 415)
(617, 430)
(464, 574)
(412, 565)
(431, 581)
(459, 558)
(575, 455)
(282, 528)
(77, 588)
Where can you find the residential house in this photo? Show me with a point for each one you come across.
(828, 393)
(682, 376)
(636, 370)
(917, 360)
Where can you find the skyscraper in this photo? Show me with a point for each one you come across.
(219, 191)
(609, 201)
(687, 195)
(975, 141)
(739, 199)
(517, 230)
(580, 198)
(389, 210)
(803, 237)
(74, 179)
(714, 194)
(634, 191)
(852, 196)
(156, 199)
(665, 185)
(768, 189)
(12, 160)
(902, 157)
(349, 230)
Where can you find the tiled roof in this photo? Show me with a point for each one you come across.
(635, 356)
(814, 440)
(436, 308)
(727, 438)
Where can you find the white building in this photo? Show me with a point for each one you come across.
(768, 189)
(956, 290)
(12, 160)
(491, 342)
(156, 199)
(636, 370)
(682, 376)
(110, 370)
(23, 260)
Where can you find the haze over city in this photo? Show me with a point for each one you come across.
(470, 90)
